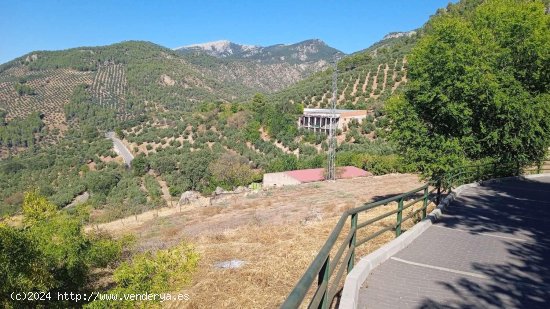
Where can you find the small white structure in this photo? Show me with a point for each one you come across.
(296, 177)
(279, 180)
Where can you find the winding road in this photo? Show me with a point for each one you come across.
(120, 148)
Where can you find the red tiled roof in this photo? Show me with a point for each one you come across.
(318, 174)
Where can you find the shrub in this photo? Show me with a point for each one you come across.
(140, 165)
(164, 270)
(51, 253)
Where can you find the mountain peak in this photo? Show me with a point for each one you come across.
(313, 41)
(219, 43)
(305, 51)
(220, 49)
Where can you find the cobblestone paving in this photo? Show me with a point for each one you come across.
(491, 249)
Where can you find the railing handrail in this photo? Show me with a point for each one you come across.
(319, 267)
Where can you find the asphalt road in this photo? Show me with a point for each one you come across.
(490, 250)
(120, 148)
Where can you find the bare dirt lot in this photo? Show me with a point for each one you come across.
(277, 233)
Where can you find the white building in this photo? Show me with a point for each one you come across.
(319, 119)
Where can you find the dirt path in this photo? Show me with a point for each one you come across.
(165, 191)
(375, 82)
(342, 95)
(354, 91)
(386, 68)
(364, 87)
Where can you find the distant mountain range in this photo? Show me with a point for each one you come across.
(265, 69)
(303, 52)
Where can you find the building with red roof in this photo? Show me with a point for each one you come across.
(309, 175)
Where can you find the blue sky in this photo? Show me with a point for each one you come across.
(348, 25)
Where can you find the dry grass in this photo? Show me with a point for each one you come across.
(276, 257)
(277, 232)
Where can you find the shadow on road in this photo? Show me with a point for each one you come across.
(515, 208)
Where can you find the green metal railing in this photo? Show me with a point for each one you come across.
(329, 271)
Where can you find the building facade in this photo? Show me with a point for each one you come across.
(319, 120)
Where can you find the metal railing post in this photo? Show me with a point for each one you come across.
(399, 217)
(323, 276)
(352, 241)
(425, 204)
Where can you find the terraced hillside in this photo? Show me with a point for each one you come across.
(366, 78)
(24, 92)
(110, 85)
(134, 78)
(129, 79)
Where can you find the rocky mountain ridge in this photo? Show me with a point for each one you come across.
(311, 50)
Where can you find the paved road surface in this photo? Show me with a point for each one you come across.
(490, 250)
(120, 148)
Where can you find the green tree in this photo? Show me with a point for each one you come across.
(231, 170)
(258, 103)
(119, 133)
(252, 131)
(140, 165)
(23, 89)
(164, 165)
(22, 264)
(195, 169)
(102, 182)
(36, 208)
(479, 89)
(283, 163)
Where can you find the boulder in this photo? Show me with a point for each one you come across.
(189, 197)
(241, 189)
(219, 190)
(230, 264)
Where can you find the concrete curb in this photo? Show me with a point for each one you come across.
(358, 275)
(535, 176)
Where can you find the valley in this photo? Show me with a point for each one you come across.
(165, 121)
(135, 167)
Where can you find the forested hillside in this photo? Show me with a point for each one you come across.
(365, 78)
(135, 75)
(133, 79)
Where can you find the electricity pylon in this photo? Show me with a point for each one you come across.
(331, 162)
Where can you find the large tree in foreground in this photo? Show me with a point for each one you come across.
(479, 88)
